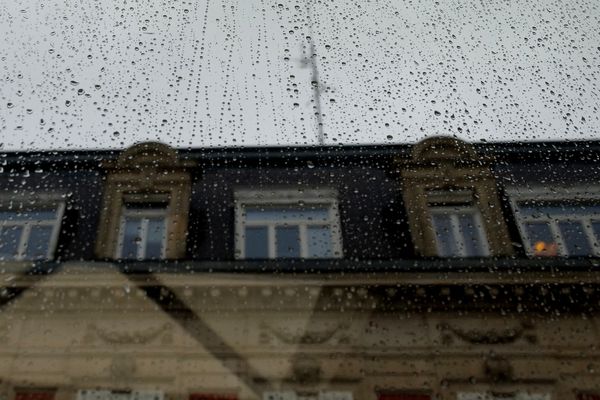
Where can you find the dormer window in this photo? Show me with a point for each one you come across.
(452, 202)
(287, 224)
(562, 223)
(145, 205)
(29, 233)
(458, 225)
(143, 231)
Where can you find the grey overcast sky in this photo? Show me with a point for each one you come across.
(79, 74)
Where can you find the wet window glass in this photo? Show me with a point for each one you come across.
(29, 234)
(143, 233)
(561, 228)
(288, 232)
(300, 200)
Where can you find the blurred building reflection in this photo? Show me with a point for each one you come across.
(442, 270)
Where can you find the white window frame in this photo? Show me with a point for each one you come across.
(303, 395)
(558, 194)
(107, 394)
(144, 214)
(518, 395)
(34, 203)
(286, 197)
(452, 212)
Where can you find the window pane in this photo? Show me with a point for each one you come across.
(257, 242)
(131, 238)
(473, 235)
(574, 238)
(286, 214)
(155, 238)
(557, 209)
(287, 242)
(34, 215)
(319, 242)
(541, 239)
(446, 242)
(38, 243)
(10, 237)
(596, 229)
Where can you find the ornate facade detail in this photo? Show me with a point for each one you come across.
(497, 368)
(306, 370)
(489, 336)
(147, 172)
(449, 166)
(142, 336)
(122, 367)
(287, 336)
(4, 333)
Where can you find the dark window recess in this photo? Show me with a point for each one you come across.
(588, 396)
(34, 395)
(208, 396)
(403, 396)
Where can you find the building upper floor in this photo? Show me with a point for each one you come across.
(438, 199)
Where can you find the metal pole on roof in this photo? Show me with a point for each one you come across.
(314, 79)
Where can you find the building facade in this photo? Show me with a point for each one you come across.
(441, 270)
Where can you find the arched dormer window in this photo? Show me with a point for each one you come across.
(452, 201)
(146, 204)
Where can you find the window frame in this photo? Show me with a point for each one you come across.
(287, 197)
(540, 194)
(34, 203)
(145, 214)
(453, 211)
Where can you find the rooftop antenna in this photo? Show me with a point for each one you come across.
(314, 79)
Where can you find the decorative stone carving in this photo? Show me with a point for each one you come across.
(122, 367)
(497, 368)
(306, 370)
(142, 336)
(489, 336)
(314, 336)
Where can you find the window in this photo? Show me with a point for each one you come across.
(457, 224)
(588, 396)
(211, 396)
(145, 204)
(29, 233)
(459, 232)
(452, 201)
(287, 224)
(308, 395)
(143, 231)
(502, 396)
(119, 395)
(560, 229)
(554, 226)
(402, 396)
(26, 394)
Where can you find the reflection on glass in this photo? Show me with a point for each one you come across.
(10, 238)
(257, 242)
(155, 238)
(39, 240)
(319, 242)
(132, 238)
(287, 241)
(288, 232)
(458, 232)
(447, 246)
(575, 238)
(286, 214)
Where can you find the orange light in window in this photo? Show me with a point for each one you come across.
(544, 249)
